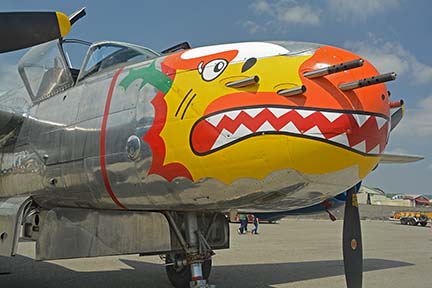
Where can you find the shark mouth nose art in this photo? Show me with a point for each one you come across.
(361, 132)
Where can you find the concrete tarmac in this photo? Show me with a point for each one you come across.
(293, 253)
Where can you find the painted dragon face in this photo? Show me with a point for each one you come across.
(204, 128)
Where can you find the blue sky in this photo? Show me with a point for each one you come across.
(393, 34)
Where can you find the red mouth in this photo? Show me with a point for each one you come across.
(358, 131)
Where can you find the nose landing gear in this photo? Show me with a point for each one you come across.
(190, 268)
(180, 274)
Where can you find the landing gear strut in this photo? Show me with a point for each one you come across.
(191, 268)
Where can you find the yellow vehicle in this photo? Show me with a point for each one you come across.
(413, 218)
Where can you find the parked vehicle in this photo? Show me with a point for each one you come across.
(412, 218)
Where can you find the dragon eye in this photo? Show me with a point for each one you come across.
(213, 69)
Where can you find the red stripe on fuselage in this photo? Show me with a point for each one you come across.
(102, 141)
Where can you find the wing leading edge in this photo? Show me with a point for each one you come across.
(10, 123)
(399, 159)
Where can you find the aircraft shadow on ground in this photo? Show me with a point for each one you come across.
(143, 274)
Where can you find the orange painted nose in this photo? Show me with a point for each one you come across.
(326, 91)
(359, 90)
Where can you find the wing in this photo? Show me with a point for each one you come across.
(399, 159)
(10, 124)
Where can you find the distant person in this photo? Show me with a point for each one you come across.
(256, 223)
(243, 223)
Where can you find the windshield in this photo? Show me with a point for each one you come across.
(106, 55)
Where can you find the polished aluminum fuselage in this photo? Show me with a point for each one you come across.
(73, 149)
(56, 159)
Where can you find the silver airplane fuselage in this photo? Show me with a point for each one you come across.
(181, 132)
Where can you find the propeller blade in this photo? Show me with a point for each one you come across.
(352, 242)
(396, 117)
(25, 29)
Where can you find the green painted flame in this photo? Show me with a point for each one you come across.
(149, 75)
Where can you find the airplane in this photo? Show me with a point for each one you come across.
(143, 152)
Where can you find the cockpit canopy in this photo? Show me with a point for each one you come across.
(46, 69)
(109, 54)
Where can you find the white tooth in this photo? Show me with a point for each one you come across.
(360, 146)
(380, 122)
(341, 139)
(361, 119)
(226, 133)
(279, 111)
(253, 112)
(305, 113)
(291, 128)
(266, 126)
(233, 114)
(375, 150)
(215, 120)
(331, 116)
(221, 140)
(241, 132)
(315, 131)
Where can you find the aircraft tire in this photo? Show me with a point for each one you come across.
(5, 265)
(180, 277)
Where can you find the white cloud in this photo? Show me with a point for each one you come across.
(391, 56)
(397, 150)
(360, 10)
(287, 12)
(299, 15)
(253, 27)
(420, 119)
(262, 6)
(417, 121)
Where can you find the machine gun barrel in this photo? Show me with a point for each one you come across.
(368, 81)
(334, 68)
(243, 82)
(293, 91)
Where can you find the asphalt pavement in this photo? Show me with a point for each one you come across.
(293, 253)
